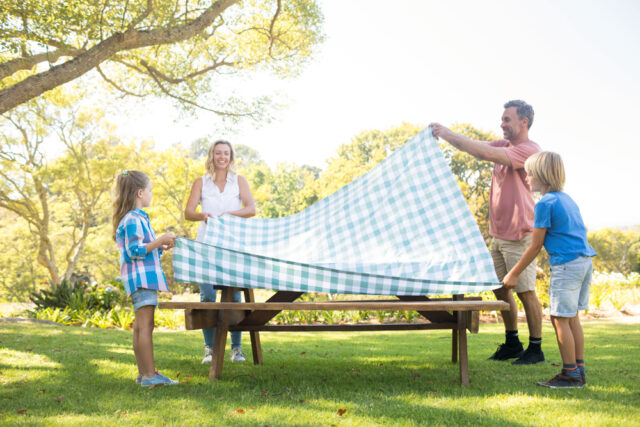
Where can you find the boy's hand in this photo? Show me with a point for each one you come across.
(510, 281)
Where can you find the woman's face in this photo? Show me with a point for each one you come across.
(221, 156)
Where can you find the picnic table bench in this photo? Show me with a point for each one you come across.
(457, 313)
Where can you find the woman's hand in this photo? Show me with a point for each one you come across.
(206, 216)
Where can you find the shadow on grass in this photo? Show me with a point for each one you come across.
(379, 378)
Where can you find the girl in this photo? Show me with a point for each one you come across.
(219, 192)
(558, 226)
(140, 269)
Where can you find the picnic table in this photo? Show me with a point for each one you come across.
(457, 313)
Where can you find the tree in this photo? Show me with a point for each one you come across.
(363, 153)
(618, 250)
(183, 50)
(64, 199)
(286, 191)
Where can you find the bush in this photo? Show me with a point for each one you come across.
(80, 296)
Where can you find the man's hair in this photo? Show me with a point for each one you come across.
(523, 109)
(547, 168)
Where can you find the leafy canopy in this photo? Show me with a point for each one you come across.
(184, 50)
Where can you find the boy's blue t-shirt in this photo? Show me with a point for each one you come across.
(566, 237)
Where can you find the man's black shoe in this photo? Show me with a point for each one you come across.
(529, 358)
(505, 352)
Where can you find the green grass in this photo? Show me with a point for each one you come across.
(59, 375)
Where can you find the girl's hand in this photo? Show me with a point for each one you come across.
(510, 281)
(223, 213)
(207, 215)
(168, 239)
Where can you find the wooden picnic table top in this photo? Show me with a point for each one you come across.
(431, 305)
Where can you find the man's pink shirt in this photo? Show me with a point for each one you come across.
(511, 201)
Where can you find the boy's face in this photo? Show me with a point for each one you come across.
(535, 185)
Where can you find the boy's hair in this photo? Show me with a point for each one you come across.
(547, 168)
(523, 109)
(211, 168)
(127, 185)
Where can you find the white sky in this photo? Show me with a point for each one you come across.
(384, 63)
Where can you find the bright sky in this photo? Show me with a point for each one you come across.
(458, 61)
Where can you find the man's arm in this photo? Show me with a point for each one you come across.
(478, 149)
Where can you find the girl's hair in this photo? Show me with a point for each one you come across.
(547, 168)
(127, 185)
(211, 167)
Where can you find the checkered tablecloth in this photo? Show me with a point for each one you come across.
(403, 228)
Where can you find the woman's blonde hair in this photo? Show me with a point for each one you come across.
(210, 166)
(547, 168)
(127, 185)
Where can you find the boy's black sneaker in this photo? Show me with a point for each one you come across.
(529, 357)
(583, 378)
(562, 381)
(505, 352)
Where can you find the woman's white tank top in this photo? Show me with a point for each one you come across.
(214, 201)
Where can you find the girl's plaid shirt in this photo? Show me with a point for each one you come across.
(139, 269)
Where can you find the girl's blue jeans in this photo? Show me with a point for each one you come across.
(208, 294)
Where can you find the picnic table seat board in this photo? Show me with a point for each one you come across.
(403, 228)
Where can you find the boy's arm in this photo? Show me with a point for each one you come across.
(537, 240)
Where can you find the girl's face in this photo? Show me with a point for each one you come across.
(535, 185)
(145, 196)
(221, 156)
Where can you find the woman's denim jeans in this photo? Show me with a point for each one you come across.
(208, 294)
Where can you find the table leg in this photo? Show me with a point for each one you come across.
(462, 344)
(454, 345)
(220, 341)
(256, 347)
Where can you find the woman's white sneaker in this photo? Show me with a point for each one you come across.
(208, 355)
(236, 355)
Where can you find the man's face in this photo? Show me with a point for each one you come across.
(512, 125)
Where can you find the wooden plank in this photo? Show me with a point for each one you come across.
(347, 327)
(200, 319)
(432, 316)
(262, 317)
(276, 307)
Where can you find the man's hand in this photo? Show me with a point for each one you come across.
(440, 131)
(510, 281)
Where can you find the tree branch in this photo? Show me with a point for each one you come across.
(131, 39)
(26, 63)
(115, 85)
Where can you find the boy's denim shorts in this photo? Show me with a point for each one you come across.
(569, 287)
(143, 296)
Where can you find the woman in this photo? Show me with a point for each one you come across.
(219, 192)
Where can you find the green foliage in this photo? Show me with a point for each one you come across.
(60, 296)
(79, 296)
(154, 48)
(618, 250)
(362, 154)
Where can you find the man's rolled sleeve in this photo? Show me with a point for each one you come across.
(134, 238)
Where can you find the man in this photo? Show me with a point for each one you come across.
(510, 222)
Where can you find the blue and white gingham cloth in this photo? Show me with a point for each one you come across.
(139, 269)
(403, 228)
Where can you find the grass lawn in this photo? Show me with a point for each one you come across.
(56, 375)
